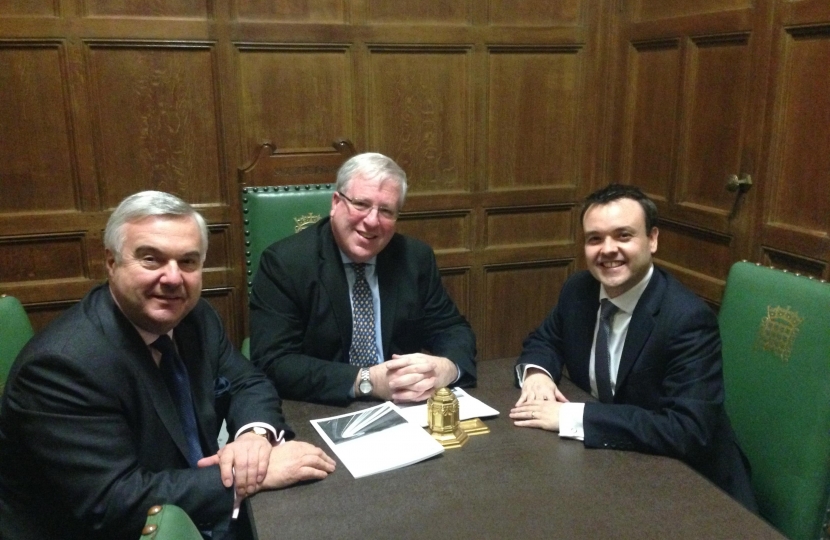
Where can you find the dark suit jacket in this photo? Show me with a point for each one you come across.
(89, 435)
(301, 317)
(669, 392)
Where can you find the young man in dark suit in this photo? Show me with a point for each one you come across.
(116, 405)
(345, 308)
(640, 342)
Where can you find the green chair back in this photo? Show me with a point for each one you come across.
(15, 331)
(775, 328)
(272, 213)
(169, 522)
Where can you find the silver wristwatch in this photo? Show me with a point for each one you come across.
(364, 387)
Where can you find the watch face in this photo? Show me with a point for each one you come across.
(365, 387)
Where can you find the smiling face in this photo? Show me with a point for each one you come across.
(158, 279)
(362, 236)
(618, 249)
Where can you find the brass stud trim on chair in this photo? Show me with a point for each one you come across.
(154, 510)
(149, 529)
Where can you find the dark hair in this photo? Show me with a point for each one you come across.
(613, 192)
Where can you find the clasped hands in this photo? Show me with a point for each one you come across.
(411, 377)
(539, 402)
(256, 465)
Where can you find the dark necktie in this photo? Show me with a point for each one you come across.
(175, 376)
(364, 351)
(602, 357)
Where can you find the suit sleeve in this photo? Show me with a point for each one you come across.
(445, 331)
(282, 299)
(542, 347)
(676, 405)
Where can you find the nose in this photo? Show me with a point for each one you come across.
(172, 274)
(372, 218)
(609, 245)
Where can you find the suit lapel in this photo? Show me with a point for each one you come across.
(333, 278)
(641, 325)
(126, 340)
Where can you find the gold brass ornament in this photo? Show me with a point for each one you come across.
(442, 412)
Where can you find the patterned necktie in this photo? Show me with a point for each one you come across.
(175, 376)
(364, 351)
(602, 357)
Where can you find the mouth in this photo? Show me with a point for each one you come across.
(365, 235)
(610, 264)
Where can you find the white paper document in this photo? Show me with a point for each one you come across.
(468, 407)
(376, 440)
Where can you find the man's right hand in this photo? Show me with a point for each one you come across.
(539, 385)
(295, 461)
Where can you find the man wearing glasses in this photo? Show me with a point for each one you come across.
(345, 308)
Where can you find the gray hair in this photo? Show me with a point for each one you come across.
(372, 166)
(145, 204)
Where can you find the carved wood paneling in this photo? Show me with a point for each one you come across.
(306, 11)
(298, 96)
(533, 121)
(147, 8)
(31, 76)
(518, 296)
(802, 202)
(457, 283)
(423, 11)
(419, 113)
(650, 112)
(156, 117)
(535, 13)
(29, 8)
(796, 263)
(224, 301)
(645, 10)
(445, 232)
(545, 225)
(698, 257)
(713, 128)
(42, 258)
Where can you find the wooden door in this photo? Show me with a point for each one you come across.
(691, 84)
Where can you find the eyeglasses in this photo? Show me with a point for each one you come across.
(363, 208)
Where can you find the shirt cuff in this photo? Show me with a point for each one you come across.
(278, 439)
(521, 372)
(570, 421)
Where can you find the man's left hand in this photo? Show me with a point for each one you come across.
(414, 377)
(246, 458)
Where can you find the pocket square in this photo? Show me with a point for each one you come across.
(221, 386)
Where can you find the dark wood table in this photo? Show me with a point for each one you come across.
(510, 483)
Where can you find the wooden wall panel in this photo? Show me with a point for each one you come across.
(156, 120)
(31, 75)
(534, 13)
(446, 232)
(423, 11)
(804, 202)
(419, 112)
(29, 8)
(519, 297)
(42, 258)
(531, 226)
(713, 129)
(533, 122)
(147, 8)
(298, 96)
(306, 11)
(665, 9)
(457, 283)
(651, 116)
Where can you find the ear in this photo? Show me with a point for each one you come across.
(652, 240)
(334, 199)
(109, 261)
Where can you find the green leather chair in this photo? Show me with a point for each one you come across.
(169, 522)
(15, 331)
(775, 328)
(272, 213)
